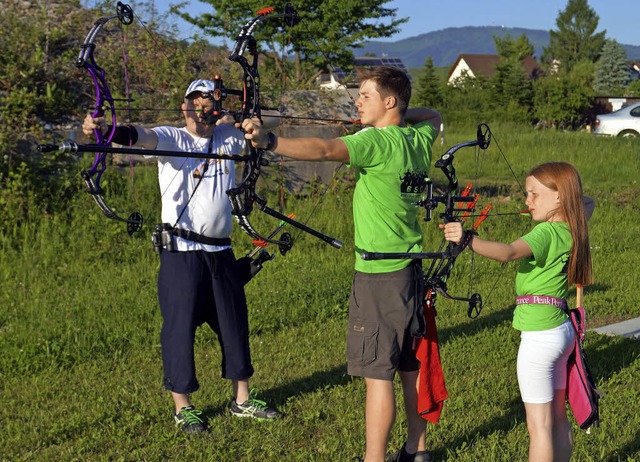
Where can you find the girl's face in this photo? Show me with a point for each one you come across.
(543, 202)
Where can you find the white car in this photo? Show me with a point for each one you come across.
(623, 122)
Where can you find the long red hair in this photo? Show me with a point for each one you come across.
(565, 179)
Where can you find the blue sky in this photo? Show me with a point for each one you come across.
(620, 18)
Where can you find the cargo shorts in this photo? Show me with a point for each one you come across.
(381, 309)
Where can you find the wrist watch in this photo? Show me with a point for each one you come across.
(271, 141)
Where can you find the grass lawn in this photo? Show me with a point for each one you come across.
(81, 374)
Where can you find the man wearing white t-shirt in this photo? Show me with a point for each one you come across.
(199, 279)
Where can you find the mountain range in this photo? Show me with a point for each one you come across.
(444, 46)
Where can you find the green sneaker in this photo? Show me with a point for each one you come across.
(253, 408)
(189, 420)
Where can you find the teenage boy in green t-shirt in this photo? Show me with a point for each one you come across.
(391, 162)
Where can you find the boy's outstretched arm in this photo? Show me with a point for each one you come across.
(310, 149)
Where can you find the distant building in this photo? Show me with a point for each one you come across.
(473, 65)
(634, 72)
(338, 78)
(372, 61)
(607, 104)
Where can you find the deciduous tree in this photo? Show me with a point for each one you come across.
(323, 38)
(563, 100)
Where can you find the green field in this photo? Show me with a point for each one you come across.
(81, 374)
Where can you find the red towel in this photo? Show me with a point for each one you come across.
(431, 388)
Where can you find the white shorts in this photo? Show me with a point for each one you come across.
(542, 362)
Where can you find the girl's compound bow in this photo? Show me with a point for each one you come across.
(457, 207)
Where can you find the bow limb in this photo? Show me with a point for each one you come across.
(104, 99)
(252, 263)
(260, 245)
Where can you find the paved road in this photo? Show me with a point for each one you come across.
(629, 328)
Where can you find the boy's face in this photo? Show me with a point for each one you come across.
(372, 107)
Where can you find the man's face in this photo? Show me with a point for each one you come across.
(198, 107)
(370, 104)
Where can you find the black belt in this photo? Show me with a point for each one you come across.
(195, 237)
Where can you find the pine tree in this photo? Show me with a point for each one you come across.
(513, 50)
(512, 88)
(576, 38)
(429, 92)
(612, 71)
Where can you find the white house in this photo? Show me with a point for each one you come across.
(474, 65)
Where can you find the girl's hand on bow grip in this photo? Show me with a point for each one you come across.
(452, 231)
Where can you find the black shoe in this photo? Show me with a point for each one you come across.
(422, 456)
(189, 420)
(403, 456)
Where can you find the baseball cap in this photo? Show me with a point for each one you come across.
(200, 85)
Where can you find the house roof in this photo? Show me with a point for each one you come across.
(486, 65)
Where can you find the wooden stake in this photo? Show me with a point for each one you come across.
(579, 293)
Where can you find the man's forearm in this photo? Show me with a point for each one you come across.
(416, 115)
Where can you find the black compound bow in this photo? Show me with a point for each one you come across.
(244, 197)
(457, 207)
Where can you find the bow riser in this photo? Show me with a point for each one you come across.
(103, 96)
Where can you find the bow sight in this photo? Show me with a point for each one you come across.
(217, 95)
